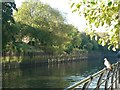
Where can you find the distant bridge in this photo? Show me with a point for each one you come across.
(103, 79)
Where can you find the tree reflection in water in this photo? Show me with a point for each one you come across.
(51, 76)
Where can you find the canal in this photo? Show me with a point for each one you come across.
(52, 76)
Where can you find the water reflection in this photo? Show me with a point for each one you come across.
(51, 76)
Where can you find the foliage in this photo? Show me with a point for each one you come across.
(88, 44)
(8, 24)
(101, 13)
(40, 28)
(44, 25)
(75, 40)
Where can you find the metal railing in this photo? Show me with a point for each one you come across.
(104, 78)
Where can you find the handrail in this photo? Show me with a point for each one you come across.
(100, 75)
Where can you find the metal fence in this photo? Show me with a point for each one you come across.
(104, 79)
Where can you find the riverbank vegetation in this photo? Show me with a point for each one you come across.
(36, 28)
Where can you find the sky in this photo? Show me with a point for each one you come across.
(64, 7)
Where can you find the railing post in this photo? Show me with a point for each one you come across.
(107, 79)
(116, 76)
(118, 72)
(112, 78)
(116, 80)
(99, 81)
(86, 85)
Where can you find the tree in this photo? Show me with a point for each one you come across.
(7, 24)
(100, 13)
(75, 40)
(43, 24)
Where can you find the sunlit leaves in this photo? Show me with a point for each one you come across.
(72, 5)
(78, 5)
(45, 25)
(101, 14)
(110, 3)
(96, 37)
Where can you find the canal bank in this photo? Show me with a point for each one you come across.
(38, 60)
(27, 61)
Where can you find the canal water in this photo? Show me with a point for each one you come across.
(54, 75)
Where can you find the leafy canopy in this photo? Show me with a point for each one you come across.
(43, 24)
(101, 13)
(7, 24)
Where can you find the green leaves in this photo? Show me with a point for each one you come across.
(45, 25)
(8, 29)
(110, 3)
(74, 10)
(104, 14)
(72, 5)
(93, 3)
(78, 5)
